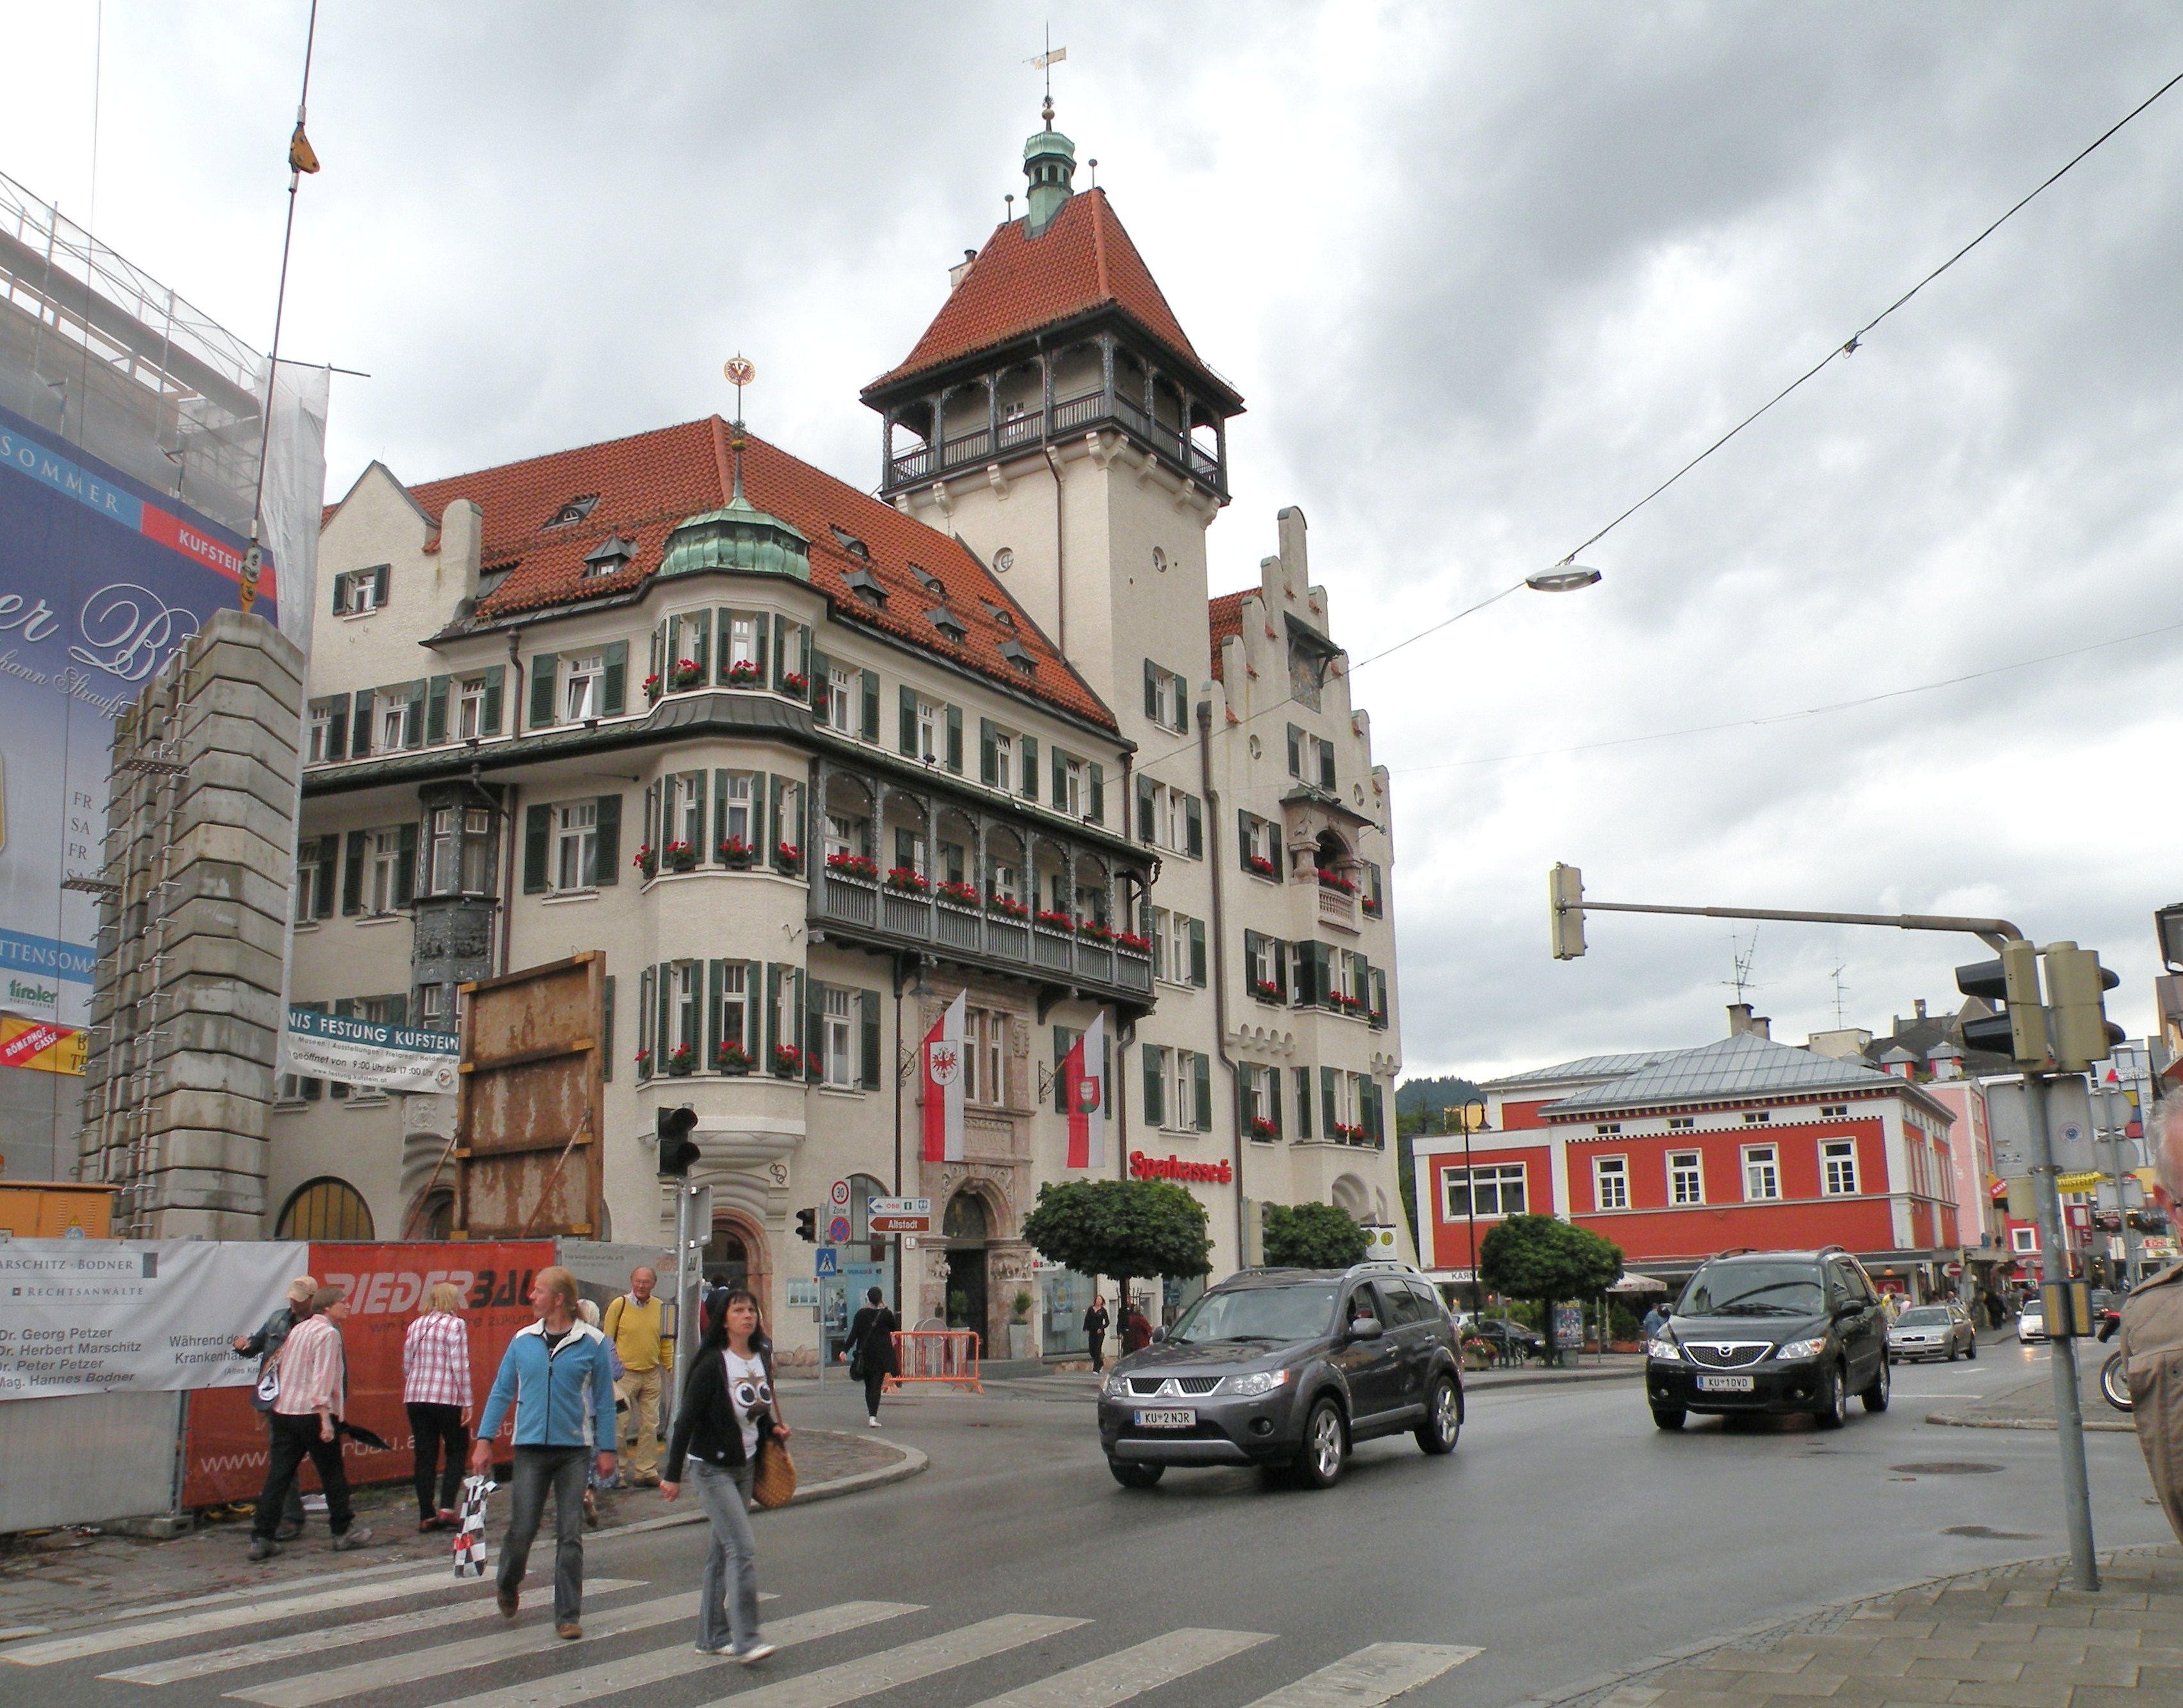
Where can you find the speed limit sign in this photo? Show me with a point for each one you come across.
(840, 1195)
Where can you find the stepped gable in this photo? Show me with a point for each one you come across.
(1020, 284)
(642, 487)
(1226, 612)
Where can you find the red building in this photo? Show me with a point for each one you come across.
(1681, 1153)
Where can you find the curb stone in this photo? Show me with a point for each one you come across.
(1954, 1422)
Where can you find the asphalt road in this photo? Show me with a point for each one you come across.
(1564, 1539)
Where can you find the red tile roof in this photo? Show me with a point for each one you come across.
(647, 484)
(1227, 615)
(1084, 260)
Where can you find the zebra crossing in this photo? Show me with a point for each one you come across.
(425, 1646)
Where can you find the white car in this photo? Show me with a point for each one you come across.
(2031, 1323)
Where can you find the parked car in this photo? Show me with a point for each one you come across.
(1944, 1330)
(1287, 1369)
(2031, 1321)
(1509, 1339)
(1771, 1332)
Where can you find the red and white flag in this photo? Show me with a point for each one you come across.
(940, 1065)
(1084, 1093)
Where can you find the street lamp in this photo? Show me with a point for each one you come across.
(1565, 577)
(1473, 1115)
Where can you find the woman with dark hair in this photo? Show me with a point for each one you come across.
(871, 1351)
(728, 1410)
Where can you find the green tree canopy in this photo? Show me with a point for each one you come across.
(1539, 1258)
(1312, 1236)
(1123, 1228)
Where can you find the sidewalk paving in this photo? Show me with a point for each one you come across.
(2030, 1404)
(61, 1579)
(2007, 1636)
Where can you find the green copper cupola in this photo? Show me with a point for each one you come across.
(738, 536)
(1050, 164)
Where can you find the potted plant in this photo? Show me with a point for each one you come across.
(685, 675)
(962, 894)
(1261, 1127)
(1050, 920)
(652, 689)
(1371, 907)
(743, 674)
(648, 861)
(787, 1061)
(1266, 990)
(644, 1064)
(731, 1058)
(681, 1060)
(796, 682)
(789, 858)
(1019, 1325)
(680, 857)
(1335, 881)
(1131, 941)
(736, 852)
(1259, 865)
(1093, 929)
(852, 866)
(1007, 907)
(907, 879)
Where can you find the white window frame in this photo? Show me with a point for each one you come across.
(840, 700)
(1004, 882)
(1610, 1183)
(931, 730)
(1266, 963)
(1496, 1178)
(686, 1008)
(382, 853)
(322, 730)
(586, 682)
(735, 999)
(430, 1010)
(2023, 1241)
(1181, 1115)
(393, 732)
(476, 864)
(844, 834)
(837, 1037)
(741, 642)
(1682, 1123)
(1004, 761)
(690, 811)
(307, 871)
(688, 634)
(1762, 1173)
(739, 805)
(469, 709)
(1173, 963)
(1838, 1168)
(360, 592)
(1073, 798)
(575, 847)
(1685, 1179)
(444, 851)
(1833, 1111)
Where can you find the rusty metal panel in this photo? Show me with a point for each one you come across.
(528, 1134)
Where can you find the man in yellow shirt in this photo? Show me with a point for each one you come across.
(633, 1325)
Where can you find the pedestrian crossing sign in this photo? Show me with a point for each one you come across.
(828, 1260)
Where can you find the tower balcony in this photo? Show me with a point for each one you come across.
(1071, 418)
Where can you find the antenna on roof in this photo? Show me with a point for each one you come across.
(1743, 957)
(1841, 991)
(739, 370)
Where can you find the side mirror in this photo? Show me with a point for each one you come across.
(1366, 1329)
(1159, 1335)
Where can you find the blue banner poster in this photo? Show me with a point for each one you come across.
(100, 579)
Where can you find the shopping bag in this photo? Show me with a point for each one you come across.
(469, 1533)
(774, 1483)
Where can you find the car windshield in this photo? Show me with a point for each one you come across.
(1753, 1289)
(1924, 1317)
(1280, 1313)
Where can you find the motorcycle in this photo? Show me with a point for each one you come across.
(2115, 1374)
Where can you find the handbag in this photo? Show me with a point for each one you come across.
(774, 1482)
(857, 1361)
(470, 1534)
(269, 1381)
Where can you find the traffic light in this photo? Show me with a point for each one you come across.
(1565, 894)
(807, 1227)
(2076, 982)
(677, 1149)
(2010, 985)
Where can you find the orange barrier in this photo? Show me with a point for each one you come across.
(925, 1355)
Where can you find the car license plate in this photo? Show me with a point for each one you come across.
(1724, 1384)
(1178, 1418)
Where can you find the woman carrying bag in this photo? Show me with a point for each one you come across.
(871, 1351)
(729, 1419)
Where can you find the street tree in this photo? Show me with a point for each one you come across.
(1537, 1257)
(1312, 1236)
(1120, 1228)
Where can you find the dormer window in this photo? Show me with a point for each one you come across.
(926, 579)
(866, 586)
(574, 511)
(850, 543)
(610, 556)
(1015, 653)
(491, 576)
(948, 624)
(1004, 618)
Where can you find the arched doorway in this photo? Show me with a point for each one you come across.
(434, 1217)
(967, 1229)
(326, 1209)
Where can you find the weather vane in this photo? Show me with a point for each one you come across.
(1046, 62)
(740, 371)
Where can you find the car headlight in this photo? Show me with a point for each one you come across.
(1113, 1388)
(1262, 1381)
(1662, 1347)
(1801, 1348)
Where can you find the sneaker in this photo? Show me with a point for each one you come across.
(287, 1532)
(874, 1421)
(449, 1518)
(263, 1548)
(511, 1603)
(355, 1536)
(755, 1653)
(568, 1631)
(718, 1652)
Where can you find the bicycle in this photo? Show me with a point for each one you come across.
(2115, 1374)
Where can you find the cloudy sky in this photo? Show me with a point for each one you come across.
(1485, 274)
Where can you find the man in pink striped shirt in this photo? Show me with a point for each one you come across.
(305, 1421)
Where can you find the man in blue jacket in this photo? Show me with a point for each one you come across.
(559, 1374)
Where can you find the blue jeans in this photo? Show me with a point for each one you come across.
(723, 1491)
(562, 1469)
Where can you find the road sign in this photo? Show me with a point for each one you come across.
(901, 1215)
(826, 1260)
(2068, 1128)
(838, 1230)
(902, 1224)
(839, 1196)
(899, 1206)
(1951, 1270)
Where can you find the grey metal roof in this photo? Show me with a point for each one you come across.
(1745, 1066)
(1584, 1067)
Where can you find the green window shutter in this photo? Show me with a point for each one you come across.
(380, 575)
(644, 980)
(341, 595)
(360, 727)
(908, 730)
(767, 790)
(398, 1010)
(1281, 967)
(869, 1074)
(609, 842)
(1030, 768)
(1158, 935)
(954, 755)
(343, 1010)
(435, 710)
(338, 728)
(782, 627)
(758, 627)
(870, 728)
(352, 881)
(1181, 702)
(773, 1038)
(1245, 841)
(329, 869)
(413, 727)
(1064, 1040)
(704, 658)
(1296, 751)
(989, 756)
(494, 680)
(753, 1023)
(1326, 765)
(607, 1032)
(663, 1032)
(542, 670)
(1059, 797)
(1252, 941)
(1145, 831)
(821, 668)
(1200, 1083)
(1303, 1102)
(715, 989)
(1273, 1100)
(614, 694)
(1098, 793)
(1197, 952)
(538, 848)
(720, 814)
(1194, 828)
(405, 865)
(1153, 677)
(1155, 1086)
(1375, 883)
(1329, 1106)
(815, 1027)
(723, 621)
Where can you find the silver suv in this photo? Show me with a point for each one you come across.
(1287, 1368)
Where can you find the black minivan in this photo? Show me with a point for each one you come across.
(1771, 1332)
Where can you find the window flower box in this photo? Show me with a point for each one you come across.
(679, 857)
(1260, 865)
(1056, 921)
(653, 688)
(789, 858)
(648, 861)
(644, 1064)
(907, 879)
(737, 852)
(1131, 941)
(731, 1058)
(1262, 1128)
(1266, 990)
(1335, 881)
(681, 1060)
(1371, 907)
(743, 674)
(685, 675)
(1348, 1134)
(962, 894)
(796, 682)
(852, 866)
(1094, 930)
(1007, 907)
(787, 1061)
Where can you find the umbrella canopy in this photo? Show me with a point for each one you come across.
(1640, 1283)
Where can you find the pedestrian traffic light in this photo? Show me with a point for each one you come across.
(2017, 1028)
(807, 1227)
(1565, 894)
(2076, 984)
(677, 1149)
